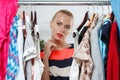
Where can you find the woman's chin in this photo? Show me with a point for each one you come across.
(59, 39)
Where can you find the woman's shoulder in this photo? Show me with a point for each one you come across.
(70, 47)
(69, 52)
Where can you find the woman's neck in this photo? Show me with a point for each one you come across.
(61, 45)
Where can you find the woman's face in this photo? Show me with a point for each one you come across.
(61, 26)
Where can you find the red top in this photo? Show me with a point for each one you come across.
(113, 55)
(60, 54)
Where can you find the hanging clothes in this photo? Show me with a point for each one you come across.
(83, 56)
(84, 59)
(113, 64)
(13, 61)
(20, 74)
(8, 9)
(38, 66)
(29, 50)
(98, 70)
(32, 50)
(74, 70)
(104, 41)
(115, 4)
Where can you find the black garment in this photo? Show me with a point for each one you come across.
(105, 37)
(82, 34)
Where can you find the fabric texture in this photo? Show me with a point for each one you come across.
(98, 69)
(83, 58)
(38, 65)
(115, 4)
(13, 61)
(29, 50)
(60, 63)
(104, 41)
(8, 9)
(20, 74)
(74, 70)
(32, 50)
(83, 53)
(113, 65)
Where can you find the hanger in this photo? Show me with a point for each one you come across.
(35, 18)
(32, 24)
(87, 25)
(32, 33)
(102, 9)
(83, 22)
(31, 17)
(24, 18)
(89, 21)
(108, 7)
(24, 27)
(35, 21)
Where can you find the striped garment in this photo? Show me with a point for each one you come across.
(60, 62)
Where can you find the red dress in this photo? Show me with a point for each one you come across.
(113, 55)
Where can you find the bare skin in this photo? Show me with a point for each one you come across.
(60, 28)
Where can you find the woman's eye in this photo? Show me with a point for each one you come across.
(58, 24)
(67, 27)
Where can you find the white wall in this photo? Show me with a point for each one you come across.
(45, 14)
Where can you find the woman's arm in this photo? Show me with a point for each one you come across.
(49, 46)
(45, 75)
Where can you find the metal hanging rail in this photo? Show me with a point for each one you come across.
(66, 3)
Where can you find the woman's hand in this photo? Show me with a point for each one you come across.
(49, 46)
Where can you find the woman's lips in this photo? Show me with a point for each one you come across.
(59, 35)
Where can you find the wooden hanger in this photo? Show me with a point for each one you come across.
(24, 25)
(24, 29)
(87, 25)
(89, 21)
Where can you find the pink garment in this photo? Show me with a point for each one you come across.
(8, 9)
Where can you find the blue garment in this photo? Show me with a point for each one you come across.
(104, 37)
(104, 41)
(115, 4)
(13, 62)
(102, 45)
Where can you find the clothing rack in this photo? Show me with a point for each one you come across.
(65, 3)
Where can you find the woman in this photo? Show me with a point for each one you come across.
(57, 52)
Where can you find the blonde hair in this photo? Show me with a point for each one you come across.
(68, 13)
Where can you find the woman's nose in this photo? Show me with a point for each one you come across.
(62, 29)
